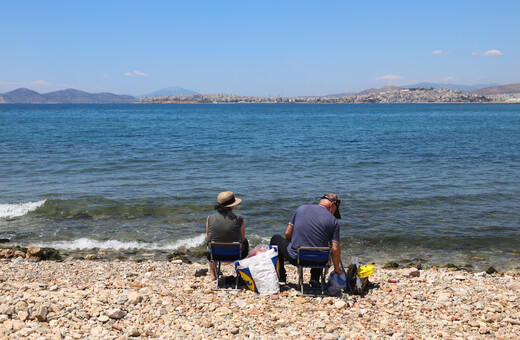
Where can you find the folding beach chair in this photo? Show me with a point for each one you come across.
(313, 257)
(224, 252)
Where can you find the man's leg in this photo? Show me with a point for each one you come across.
(316, 274)
(281, 243)
(245, 249)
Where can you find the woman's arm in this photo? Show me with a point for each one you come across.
(207, 229)
(242, 232)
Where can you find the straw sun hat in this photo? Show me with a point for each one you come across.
(227, 199)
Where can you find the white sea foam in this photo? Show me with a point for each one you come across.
(18, 209)
(88, 243)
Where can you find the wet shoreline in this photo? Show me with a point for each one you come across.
(470, 264)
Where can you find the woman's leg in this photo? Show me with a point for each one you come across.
(212, 271)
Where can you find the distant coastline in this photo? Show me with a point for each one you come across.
(505, 94)
(397, 96)
(509, 94)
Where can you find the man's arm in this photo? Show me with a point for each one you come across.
(336, 257)
(288, 232)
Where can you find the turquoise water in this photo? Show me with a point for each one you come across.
(435, 181)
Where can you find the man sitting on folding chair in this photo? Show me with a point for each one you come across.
(225, 226)
(311, 226)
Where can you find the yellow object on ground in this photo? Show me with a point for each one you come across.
(365, 271)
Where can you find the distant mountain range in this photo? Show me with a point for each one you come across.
(69, 96)
(373, 91)
(169, 91)
(465, 88)
(494, 90)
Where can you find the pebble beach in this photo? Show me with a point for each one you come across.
(87, 299)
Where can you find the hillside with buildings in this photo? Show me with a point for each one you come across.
(385, 95)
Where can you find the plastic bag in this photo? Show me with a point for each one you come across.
(358, 285)
(336, 283)
(355, 262)
(260, 272)
(261, 248)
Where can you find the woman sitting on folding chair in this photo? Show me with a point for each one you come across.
(226, 226)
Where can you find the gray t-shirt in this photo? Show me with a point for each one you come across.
(225, 227)
(314, 226)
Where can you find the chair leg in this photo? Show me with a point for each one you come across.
(218, 275)
(300, 278)
(322, 281)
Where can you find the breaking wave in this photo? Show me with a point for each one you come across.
(19, 209)
(88, 243)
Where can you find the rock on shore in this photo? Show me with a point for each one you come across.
(164, 300)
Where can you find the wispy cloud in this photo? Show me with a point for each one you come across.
(135, 73)
(440, 52)
(26, 83)
(448, 79)
(490, 53)
(389, 77)
(38, 85)
(105, 75)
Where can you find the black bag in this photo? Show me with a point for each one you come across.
(352, 281)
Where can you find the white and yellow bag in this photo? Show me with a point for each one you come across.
(260, 272)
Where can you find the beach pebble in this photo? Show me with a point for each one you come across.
(41, 313)
(116, 313)
(512, 321)
(103, 318)
(122, 300)
(34, 252)
(133, 332)
(411, 272)
(479, 305)
(340, 304)
(443, 297)
(473, 323)
(23, 315)
(484, 330)
(513, 286)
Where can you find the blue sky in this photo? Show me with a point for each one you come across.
(257, 48)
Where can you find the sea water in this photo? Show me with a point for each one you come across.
(436, 182)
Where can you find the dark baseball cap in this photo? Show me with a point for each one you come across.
(334, 199)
